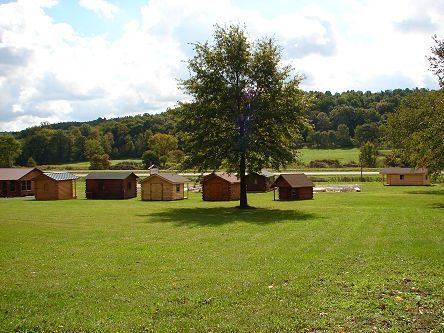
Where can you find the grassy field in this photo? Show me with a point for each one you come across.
(305, 156)
(343, 262)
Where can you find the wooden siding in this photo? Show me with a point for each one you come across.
(291, 193)
(112, 188)
(217, 189)
(408, 180)
(49, 189)
(258, 183)
(159, 189)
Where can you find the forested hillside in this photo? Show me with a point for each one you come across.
(336, 120)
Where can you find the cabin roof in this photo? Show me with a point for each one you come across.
(225, 176)
(14, 173)
(59, 176)
(296, 180)
(110, 175)
(265, 173)
(403, 171)
(170, 177)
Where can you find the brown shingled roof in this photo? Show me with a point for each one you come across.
(110, 175)
(403, 171)
(295, 180)
(170, 177)
(225, 176)
(14, 173)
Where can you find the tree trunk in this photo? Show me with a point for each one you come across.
(243, 203)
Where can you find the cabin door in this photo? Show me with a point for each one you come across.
(216, 191)
(4, 189)
(156, 192)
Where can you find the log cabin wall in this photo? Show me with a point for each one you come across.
(50, 189)
(217, 189)
(111, 188)
(408, 179)
(159, 189)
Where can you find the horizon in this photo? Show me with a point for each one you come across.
(76, 61)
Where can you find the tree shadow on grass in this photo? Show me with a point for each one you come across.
(438, 206)
(195, 217)
(435, 192)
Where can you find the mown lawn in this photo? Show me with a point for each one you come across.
(370, 261)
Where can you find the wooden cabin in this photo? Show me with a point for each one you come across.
(260, 181)
(220, 187)
(296, 186)
(163, 186)
(405, 176)
(111, 185)
(18, 182)
(55, 186)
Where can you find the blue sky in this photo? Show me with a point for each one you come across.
(64, 60)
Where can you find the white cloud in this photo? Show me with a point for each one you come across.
(100, 7)
(49, 72)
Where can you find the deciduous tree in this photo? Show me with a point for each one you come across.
(246, 109)
(415, 130)
(9, 150)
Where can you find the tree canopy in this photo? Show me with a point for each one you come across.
(416, 130)
(246, 112)
(437, 60)
(9, 150)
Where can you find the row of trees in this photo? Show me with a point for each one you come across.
(334, 120)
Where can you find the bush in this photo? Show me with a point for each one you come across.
(127, 165)
(324, 164)
(99, 162)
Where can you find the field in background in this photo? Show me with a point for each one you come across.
(305, 156)
(341, 262)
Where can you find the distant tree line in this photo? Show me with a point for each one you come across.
(351, 118)
(341, 120)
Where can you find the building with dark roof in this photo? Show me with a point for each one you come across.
(260, 181)
(405, 176)
(55, 186)
(220, 187)
(295, 186)
(111, 185)
(17, 182)
(163, 186)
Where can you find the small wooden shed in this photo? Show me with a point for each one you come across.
(260, 181)
(55, 186)
(18, 182)
(220, 187)
(163, 186)
(405, 176)
(111, 185)
(295, 186)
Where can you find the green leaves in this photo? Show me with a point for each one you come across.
(220, 75)
(416, 130)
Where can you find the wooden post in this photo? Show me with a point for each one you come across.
(274, 193)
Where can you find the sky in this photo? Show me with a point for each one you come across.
(77, 60)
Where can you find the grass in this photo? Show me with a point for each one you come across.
(82, 165)
(370, 261)
(305, 156)
(342, 155)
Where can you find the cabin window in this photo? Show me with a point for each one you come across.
(101, 186)
(401, 177)
(12, 186)
(255, 181)
(177, 188)
(26, 185)
(128, 185)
